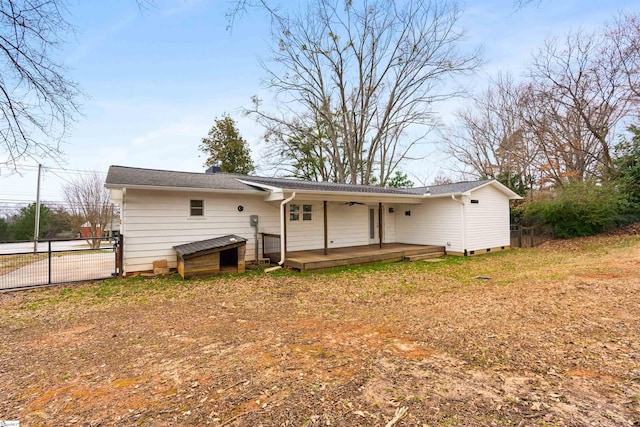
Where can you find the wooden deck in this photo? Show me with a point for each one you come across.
(358, 255)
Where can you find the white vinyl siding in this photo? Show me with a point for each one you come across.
(155, 221)
(304, 235)
(348, 225)
(488, 220)
(389, 224)
(435, 222)
(439, 221)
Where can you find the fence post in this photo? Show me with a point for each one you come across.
(531, 234)
(120, 258)
(49, 256)
(520, 236)
(115, 258)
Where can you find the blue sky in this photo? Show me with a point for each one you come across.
(155, 79)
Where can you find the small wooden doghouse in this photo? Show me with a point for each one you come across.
(212, 256)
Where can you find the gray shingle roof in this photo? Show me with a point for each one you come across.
(206, 245)
(127, 176)
(455, 188)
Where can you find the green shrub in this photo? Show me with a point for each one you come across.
(627, 162)
(579, 209)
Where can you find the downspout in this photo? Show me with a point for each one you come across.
(462, 225)
(282, 229)
(123, 208)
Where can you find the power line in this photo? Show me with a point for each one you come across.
(66, 170)
(64, 179)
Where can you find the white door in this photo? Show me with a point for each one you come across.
(374, 226)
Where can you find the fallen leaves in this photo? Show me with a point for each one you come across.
(553, 337)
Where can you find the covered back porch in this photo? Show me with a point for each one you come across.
(325, 230)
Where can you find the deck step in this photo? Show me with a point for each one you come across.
(420, 257)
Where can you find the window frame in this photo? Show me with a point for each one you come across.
(294, 209)
(191, 208)
(309, 212)
(297, 212)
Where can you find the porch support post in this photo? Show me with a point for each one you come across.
(380, 223)
(326, 235)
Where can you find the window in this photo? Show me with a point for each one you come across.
(196, 207)
(295, 214)
(307, 212)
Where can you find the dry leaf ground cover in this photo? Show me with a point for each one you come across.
(552, 339)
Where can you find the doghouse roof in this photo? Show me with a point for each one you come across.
(206, 245)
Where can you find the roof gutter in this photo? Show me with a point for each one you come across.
(443, 195)
(282, 231)
(351, 193)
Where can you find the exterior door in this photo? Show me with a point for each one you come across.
(374, 226)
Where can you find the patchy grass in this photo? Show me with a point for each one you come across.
(551, 339)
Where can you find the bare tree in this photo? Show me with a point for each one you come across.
(441, 179)
(37, 101)
(303, 154)
(560, 124)
(583, 79)
(491, 138)
(90, 204)
(368, 75)
(567, 150)
(624, 37)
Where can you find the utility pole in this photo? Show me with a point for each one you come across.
(37, 225)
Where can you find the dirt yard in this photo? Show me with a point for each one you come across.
(549, 337)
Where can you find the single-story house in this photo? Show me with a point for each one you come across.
(162, 209)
